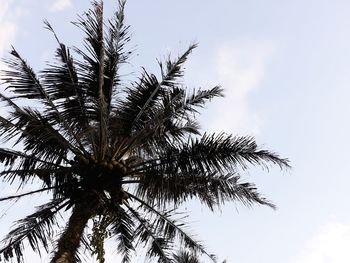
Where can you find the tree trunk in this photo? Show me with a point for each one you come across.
(69, 242)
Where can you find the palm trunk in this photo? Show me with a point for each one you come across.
(69, 242)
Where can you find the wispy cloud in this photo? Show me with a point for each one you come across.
(60, 5)
(329, 245)
(239, 68)
(8, 27)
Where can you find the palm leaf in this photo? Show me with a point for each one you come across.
(36, 228)
(183, 256)
(170, 228)
(122, 228)
(211, 189)
(62, 82)
(219, 152)
(21, 79)
(116, 40)
(16, 197)
(158, 246)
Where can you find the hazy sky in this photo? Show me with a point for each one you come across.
(285, 66)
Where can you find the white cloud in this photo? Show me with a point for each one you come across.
(7, 27)
(239, 68)
(329, 245)
(60, 5)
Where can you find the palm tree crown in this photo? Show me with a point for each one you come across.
(115, 155)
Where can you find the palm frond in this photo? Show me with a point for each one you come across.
(183, 256)
(62, 82)
(40, 137)
(173, 69)
(35, 228)
(173, 72)
(174, 119)
(116, 40)
(167, 123)
(8, 157)
(143, 96)
(122, 227)
(158, 245)
(170, 228)
(11, 197)
(21, 79)
(24, 119)
(218, 152)
(211, 189)
(138, 96)
(18, 165)
(89, 68)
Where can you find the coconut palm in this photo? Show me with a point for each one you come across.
(114, 155)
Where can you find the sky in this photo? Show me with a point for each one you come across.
(285, 68)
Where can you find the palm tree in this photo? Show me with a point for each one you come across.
(116, 156)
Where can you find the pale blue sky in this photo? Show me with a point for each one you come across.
(285, 66)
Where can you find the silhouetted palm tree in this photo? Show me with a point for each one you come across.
(114, 154)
